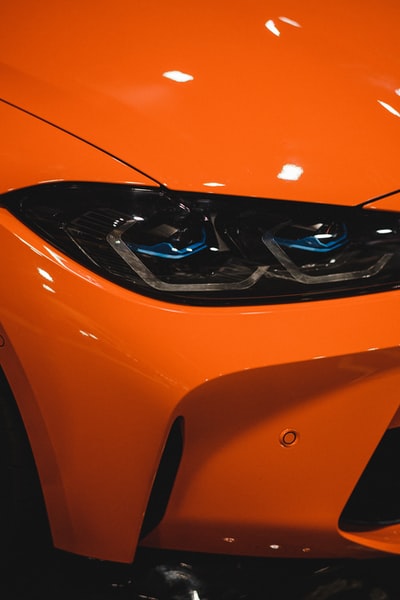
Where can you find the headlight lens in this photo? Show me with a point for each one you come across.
(211, 249)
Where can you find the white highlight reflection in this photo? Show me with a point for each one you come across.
(45, 274)
(270, 25)
(178, 76)
(214, 184)
(48, 288)
(289, 21)
(87, 334)
(397, 91)
(323, 236)
(290, 172)
(389, 108)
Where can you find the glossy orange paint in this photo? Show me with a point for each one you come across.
(101, 373)
(281, 83)
(389, 202)
(115, 369)
(36, 152)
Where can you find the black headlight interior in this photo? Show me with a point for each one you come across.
(215, 249)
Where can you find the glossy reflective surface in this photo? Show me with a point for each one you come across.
(282, 407)
(253, 375)
(285, 99)
(214, 250)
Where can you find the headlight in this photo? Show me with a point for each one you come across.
(214, 249)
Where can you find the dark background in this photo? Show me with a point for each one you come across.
(179, 576)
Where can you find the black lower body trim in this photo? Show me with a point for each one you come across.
(165, 478)
(375, 501)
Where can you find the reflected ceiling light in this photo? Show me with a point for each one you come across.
(87, 334)
(397, 91)
(290, 172)
(48, 288)
(178, 76)
(323, 236)
(289, 21)
(270, 25)
(389, 108)
(45, 274)
(214, 184)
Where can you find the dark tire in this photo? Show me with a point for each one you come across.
(359, 581)
(23, 521)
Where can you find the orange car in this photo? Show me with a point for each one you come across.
(200, 233)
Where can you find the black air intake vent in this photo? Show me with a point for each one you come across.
(375, 501)
(165, 478)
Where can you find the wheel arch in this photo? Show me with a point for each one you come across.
(21, 394)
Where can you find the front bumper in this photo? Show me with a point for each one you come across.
(101, 374)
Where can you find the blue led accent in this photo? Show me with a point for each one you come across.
(313, 244)
(168, 250)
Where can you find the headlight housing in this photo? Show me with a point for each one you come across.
(215, 249)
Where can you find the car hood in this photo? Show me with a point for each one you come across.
(283, 99)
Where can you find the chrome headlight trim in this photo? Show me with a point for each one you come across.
(215, 249)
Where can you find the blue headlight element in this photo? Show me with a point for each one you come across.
(319, 242)
(215, 249)
(169, 250)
